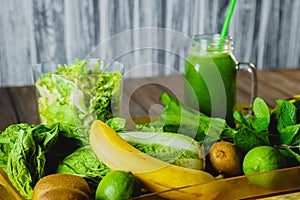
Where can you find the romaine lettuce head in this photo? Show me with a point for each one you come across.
(30, 152)
(8, 138)
(77, 95)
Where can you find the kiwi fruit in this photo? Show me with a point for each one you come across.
(64, 186)
(63, 194)
(226, 158)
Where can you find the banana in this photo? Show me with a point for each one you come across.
(292, 99)
(155, 175)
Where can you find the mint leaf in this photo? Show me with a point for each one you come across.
(287, 115)
(239, 117)
(262, 115)
(261, 109)
(260, 124)
(297, 105)
(296, 139)
(246, 138)
(289, 135)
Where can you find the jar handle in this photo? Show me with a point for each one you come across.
(249, 67)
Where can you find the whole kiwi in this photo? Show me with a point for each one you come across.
(226, 158)
(61, 186)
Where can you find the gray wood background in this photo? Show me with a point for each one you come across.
(149, 36)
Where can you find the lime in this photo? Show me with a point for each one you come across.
(264, 159)
(118, 185)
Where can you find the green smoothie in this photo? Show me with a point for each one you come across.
(211, 83)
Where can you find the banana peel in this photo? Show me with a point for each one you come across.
(155, 175)
(294, 98)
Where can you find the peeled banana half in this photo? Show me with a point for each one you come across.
(164, 179)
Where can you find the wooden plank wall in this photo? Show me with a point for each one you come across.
(265, 33)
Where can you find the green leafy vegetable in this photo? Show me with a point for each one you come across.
(239, 117)
(7, 140)
(83, 162)
(117, 123)
(279, 128)
(34, 151)
(286, 114)
(253, 131)
(246, 138)
(261, 109)
(262, 115)
(179, 118)
(77, 95)
(170, 147)
(290, 135)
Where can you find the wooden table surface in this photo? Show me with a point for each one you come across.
(141, 95)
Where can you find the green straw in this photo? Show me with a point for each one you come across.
(227, 19)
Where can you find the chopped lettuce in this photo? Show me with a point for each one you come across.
(117, 123)
(77, 95)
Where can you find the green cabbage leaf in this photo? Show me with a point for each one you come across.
(173, 148)
(83, 162)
